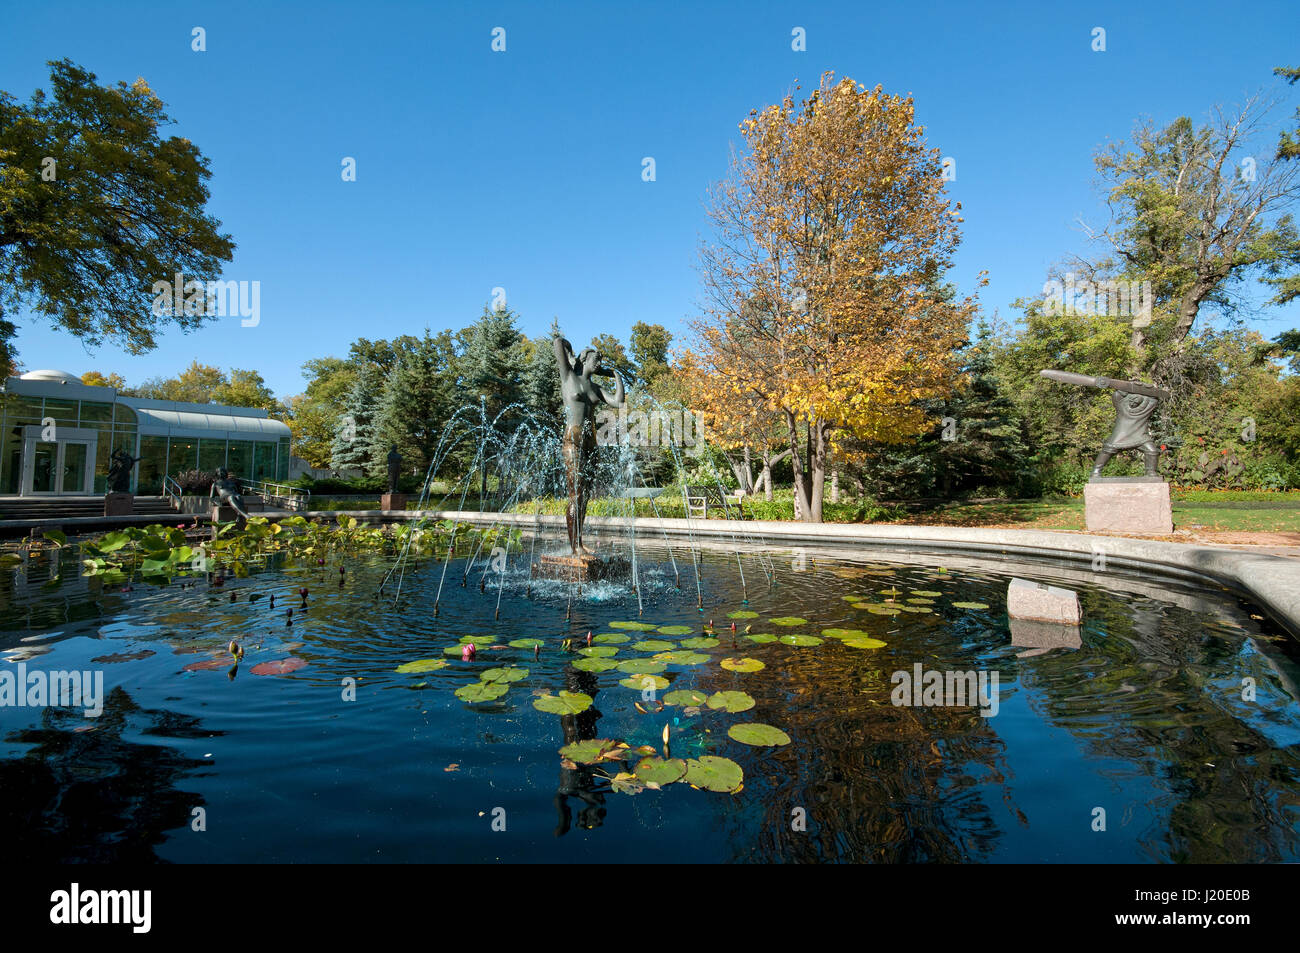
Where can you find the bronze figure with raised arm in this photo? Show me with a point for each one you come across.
(582, 395)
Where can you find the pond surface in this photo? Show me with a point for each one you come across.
(1141, 717)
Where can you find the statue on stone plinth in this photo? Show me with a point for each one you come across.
(582, 395)
(119, 471)
(394, 468)
(1134, 402)
(226, 491)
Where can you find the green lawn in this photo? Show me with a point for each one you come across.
(1226, 516)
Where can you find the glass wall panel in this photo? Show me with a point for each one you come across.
(124, 415)
(239, 459)
(94, 413)
(25, 410)
(153, 464)
(264, 460)
(103, 450)
(282, 460)
(11, 460)
(182, 454)
(63, 411)
(212, 454)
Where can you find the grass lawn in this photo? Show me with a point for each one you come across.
(1257, 516)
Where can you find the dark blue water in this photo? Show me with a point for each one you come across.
(1143, 718)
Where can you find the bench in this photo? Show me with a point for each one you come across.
(700, 498)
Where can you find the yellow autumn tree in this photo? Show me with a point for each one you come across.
(823, 278)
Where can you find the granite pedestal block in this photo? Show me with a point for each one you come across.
(1128, 505)
(119, 504)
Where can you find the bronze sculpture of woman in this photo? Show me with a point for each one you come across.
(581, 397)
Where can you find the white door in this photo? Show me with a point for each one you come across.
(64, 465)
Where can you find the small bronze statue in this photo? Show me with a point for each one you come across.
(226, 490)
(119, 471)
(394, 468)
(581, 397)
(1134, 402)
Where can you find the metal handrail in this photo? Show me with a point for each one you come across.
(172, 490)
(293, 497)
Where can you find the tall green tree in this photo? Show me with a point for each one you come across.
(418, 400)
(354, 441)
(96, 205)
(650, 350)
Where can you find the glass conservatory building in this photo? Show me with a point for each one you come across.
(57, 434)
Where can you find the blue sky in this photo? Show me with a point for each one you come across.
(522, 169)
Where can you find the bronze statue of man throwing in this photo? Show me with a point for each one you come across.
(1134, 402)
(582, 395)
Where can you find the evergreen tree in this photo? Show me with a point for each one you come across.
(540, 383)
(354, 432)
(418, 400)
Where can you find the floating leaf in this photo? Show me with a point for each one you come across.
(917, 601)
(642, 682)
(742, 664)
(476, 639)
(789, 620)
(730, 701)
(801, 639)
(526, 644)
(123, 657)
(565, 703)
(635, 626)
(742, 614)
(676, 629)
(970, 605)
(683, 658)
(844, 633)
(883, 610)
(652, 645)
(280, 666)
(594, 664)
(421, 665)
(755, 733)
(891, 592)
(607, 638)
(917, 609)
(701, 642)
(761, 638)
(642, 666)
(481, 691)
(864, 643)
(455, 650)
(685, 696)
(928, 593)
(592, 751)
(598, 651)
(624, 783)
(714, 774)
(661, 771)
(504, 675)
(208, 664)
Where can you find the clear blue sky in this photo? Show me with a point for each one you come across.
(522, 169)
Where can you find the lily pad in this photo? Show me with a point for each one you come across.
(883, 610)
(660, 771)
(651, 645)
(608, 638)
(928, 593)
(590, 752)
(634, 626)
(504, 675)
(761, 638)
(755, 733)
(624, 783)
(481, 691)
(789, 620)
(970, 605)
(714, 774)
(421, 665)
(642, 666)
(742, 664)
(730, 701)
(682, 658)
(565, 703)
(864, 643)
(700, 642)
(742, 614)
(210, 664)
(676, 629)
(916, 609)
(280, 666)
(801, 639)
(526, 644)
(918, 601)
(685, 696)
(455, 650)
(595, 664)
(598, 651)
(638, 682)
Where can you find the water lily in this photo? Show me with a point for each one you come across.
(468, 652)
(236, 649)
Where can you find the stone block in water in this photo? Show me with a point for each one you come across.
(1044, 603)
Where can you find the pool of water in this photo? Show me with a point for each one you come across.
(1167, 730)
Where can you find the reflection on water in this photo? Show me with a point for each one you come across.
(1145, 713)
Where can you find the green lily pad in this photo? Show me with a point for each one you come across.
(700, 642)
(928, 593)
(476, 639)
(642, 666)
(970, 605)
(565, 703)
(481, 691)
(634, 626)
(918, 601)
(883, 610)
(916, 609)
(755, 733)
(455, 650)
(675, 629)
(891, 592)
(730, 701)
(594, 664)
(598, 651)
(625, 783)
(686, 697)
(761, 638)
(504, 675)
(682, 658)
(639, 682)
(660, 771)
(742, 664)
(651, 645)
(853, 597)
(864, 643)
(801, 639)
(422, 665)
(714, 774)
(590, 752)
(526, 644)
(742, 614)
(789, 620)
(607, 638)
(844, 633)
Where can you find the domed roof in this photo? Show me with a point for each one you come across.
(62, 377)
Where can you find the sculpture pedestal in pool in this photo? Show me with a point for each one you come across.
(1128, 505)
(119, 504)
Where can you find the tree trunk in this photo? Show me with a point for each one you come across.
(835, 485)
(809, 485)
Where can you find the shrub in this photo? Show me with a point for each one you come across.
(195, 482)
